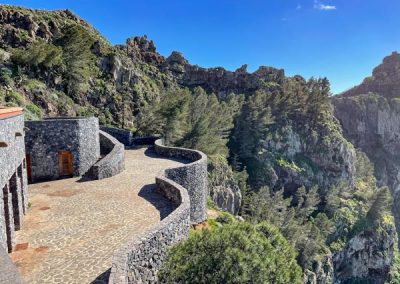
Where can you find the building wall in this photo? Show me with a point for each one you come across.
(13, 180)
(44, 139)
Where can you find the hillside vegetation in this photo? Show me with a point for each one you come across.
(277, 154)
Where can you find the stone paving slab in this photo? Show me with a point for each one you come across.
(73, 227)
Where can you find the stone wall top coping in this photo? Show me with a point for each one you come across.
(67, 118)
(201, 155)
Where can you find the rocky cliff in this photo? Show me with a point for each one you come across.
(54, 63)
(370, 117)
(367, 258)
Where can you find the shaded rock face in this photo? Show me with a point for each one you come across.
(322, 274)
(220, 81)
(367, 256)
(224, 189)
(370, 117)
(314, 163)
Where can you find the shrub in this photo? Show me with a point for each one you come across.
(235, 253)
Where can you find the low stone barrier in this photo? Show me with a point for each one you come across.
(113, 161)
(191, 176)
(139, 260)
(122, 135)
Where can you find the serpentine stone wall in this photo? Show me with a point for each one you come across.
(123, 136)
(44, 139)
(113, 161)
(126, 137)
(191, 176)
(139, 260)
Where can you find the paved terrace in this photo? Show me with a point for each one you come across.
(73, 227)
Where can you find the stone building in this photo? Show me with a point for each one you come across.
(61, 147)
(13, 187)
(13, 179)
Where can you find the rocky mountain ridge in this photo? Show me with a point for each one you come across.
(302, 144)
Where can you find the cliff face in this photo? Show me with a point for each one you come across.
(367, 257)
(370, 117)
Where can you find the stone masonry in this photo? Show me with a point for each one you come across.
(45, 139)
(186, 186)
(13, 187)
(113, 161)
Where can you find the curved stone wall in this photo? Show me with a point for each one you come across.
(139, 260)
(113, 161)
(122, 135)
(191, 176)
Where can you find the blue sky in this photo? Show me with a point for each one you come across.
(340, 39)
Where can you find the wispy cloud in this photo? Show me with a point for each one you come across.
(299, 7)
(320, 6)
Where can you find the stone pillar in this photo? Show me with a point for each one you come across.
(9, 217)
(23, 177)
(3, 233)
(15, 189)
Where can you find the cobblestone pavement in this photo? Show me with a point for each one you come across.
(73, 227)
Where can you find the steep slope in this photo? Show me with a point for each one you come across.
(285, 135)
(370, 116)
(54, 63)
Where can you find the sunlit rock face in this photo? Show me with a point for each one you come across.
(370, 117)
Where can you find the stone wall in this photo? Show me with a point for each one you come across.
(191, 176)
(113, 161)
(13, 179)
(8, 271)
(13, 188)
(126, 137)
(139, 260)
(44, 139)
(123, 136)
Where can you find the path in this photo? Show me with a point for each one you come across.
(73, 228)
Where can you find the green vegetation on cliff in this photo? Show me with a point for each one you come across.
(271, 139)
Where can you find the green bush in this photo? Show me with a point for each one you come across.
(14, 97)
(33, 112)
(5, 76)
(39, 53)
(236, 253)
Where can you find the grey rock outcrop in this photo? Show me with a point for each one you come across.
(367, 257)
(322, 274)
(370, 117)
(224, 189)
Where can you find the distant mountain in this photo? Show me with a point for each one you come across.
(385, 79)
(280, 130)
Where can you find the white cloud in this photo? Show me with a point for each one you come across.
(299, 7)
(320, 6)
